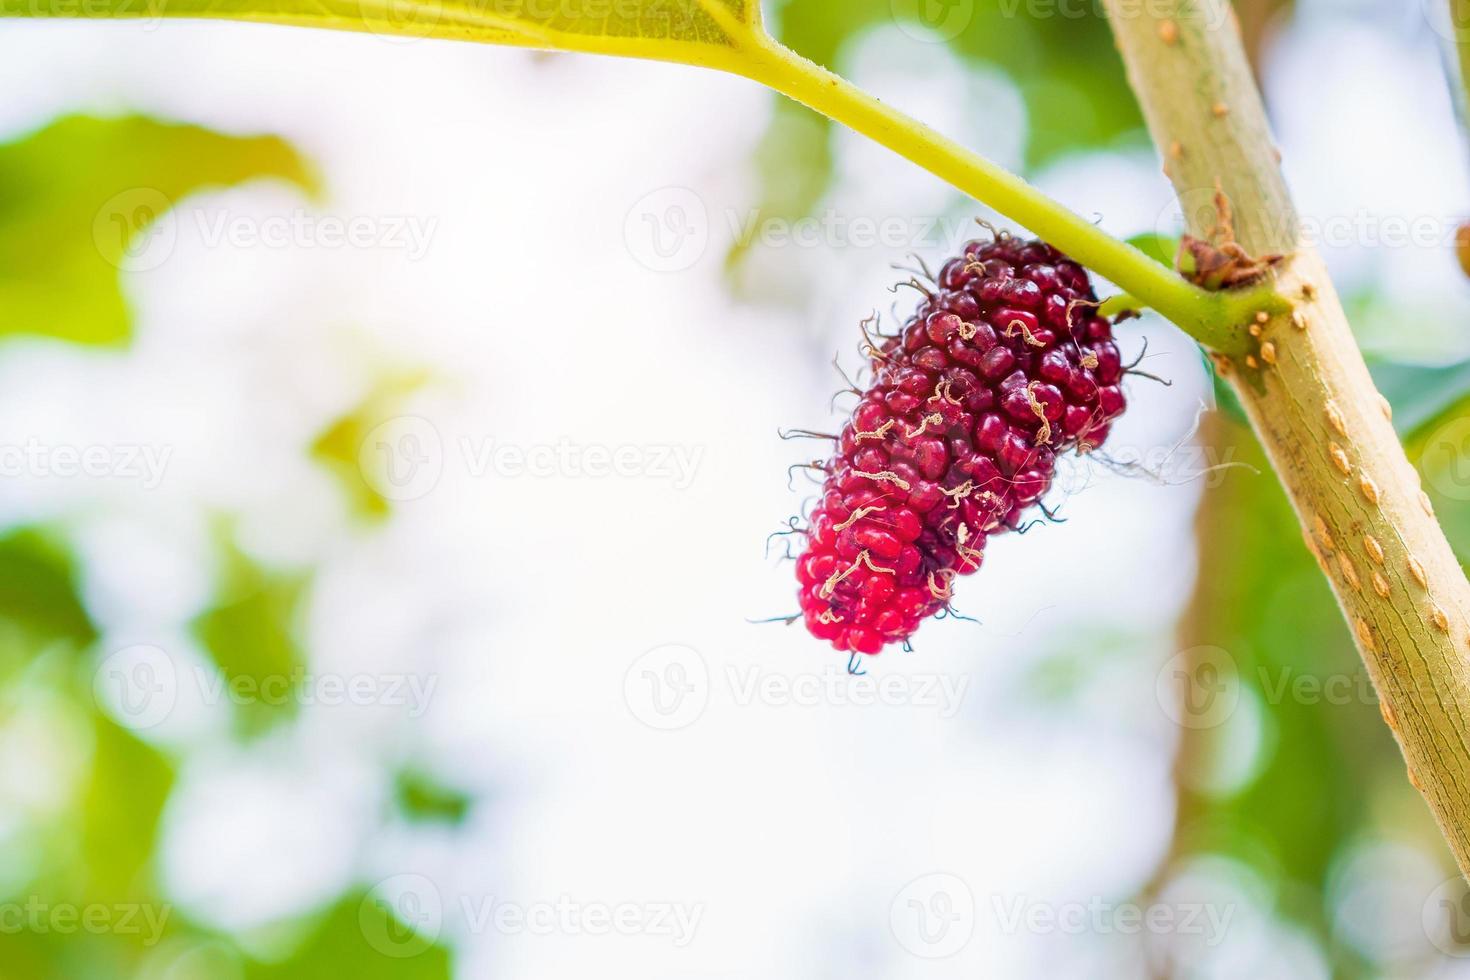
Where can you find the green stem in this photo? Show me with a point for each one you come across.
(1114, 305)
(1214, 319)
(1460, 24)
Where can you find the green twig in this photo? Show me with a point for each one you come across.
(1215, 319)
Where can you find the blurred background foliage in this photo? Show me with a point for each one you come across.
(1288, 800)
(95, 845)
(60, 254)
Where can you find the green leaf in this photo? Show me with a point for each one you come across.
(98, 858)
(362, 938)
(339, 446)
(423, 798)
(81, 201)
(1431, 409)
(38, 591)
(251, 635)
(700, 32)
(1421, 394)
(1067, 67)
(40, 607)
(793, 164)
(1161, 248)
(121, 810)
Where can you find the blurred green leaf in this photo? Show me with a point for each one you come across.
(423, 798)
(1431, 411)
(39, 601)
(1067, 67)
(97, 853)
(361, 937)
(84, 199)
(1421, 394)
(1162, 248)
(251, 635)
(38, 588)
(339, 446)
(121, 807)
(793, 164)
(817, 29)
(97, 863)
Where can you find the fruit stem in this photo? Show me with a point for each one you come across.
(1216, 319)
(1312, 402)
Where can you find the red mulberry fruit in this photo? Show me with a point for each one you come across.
(1002, 367)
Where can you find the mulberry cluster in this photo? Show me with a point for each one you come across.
(1002, 367)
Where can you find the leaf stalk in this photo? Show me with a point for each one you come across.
(1216, 319)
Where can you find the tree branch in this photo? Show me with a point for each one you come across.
(1312, 402)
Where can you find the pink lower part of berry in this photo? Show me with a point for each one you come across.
(1002, 368)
